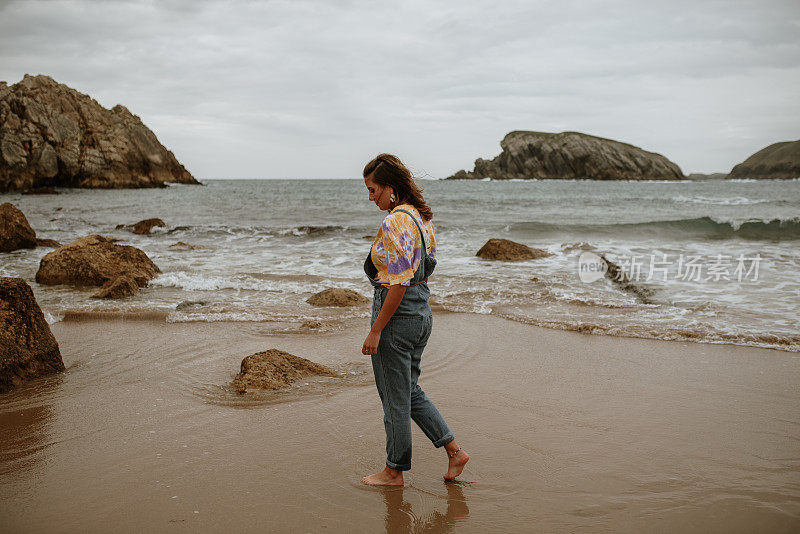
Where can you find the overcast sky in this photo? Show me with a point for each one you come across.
(296, 89)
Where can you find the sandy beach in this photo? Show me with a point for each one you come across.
(566, 432)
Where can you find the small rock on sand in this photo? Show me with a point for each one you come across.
(275, 369)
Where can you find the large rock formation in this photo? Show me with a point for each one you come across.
(571, 155)
(27, 346)
(52, 135)
(95, 260)
(780, 161)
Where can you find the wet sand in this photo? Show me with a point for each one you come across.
(566, 432)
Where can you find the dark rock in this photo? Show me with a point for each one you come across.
(52, 135)
(47, 243)
(274, 369)
(122, 286)
(506, 250)
(780, 161)
(144, 227)
(95, 260)
(189, 304)
(182, 246)
(27, 346)
(41, 191)
(571, 155)
(337, 297)
(15, 232)
(617, 275)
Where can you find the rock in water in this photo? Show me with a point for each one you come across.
(52, 135)
(15, 232)
(274, 369)
(337, 297)
(95, 260)
(507, 250)
(144, 227)
(780, 161)
(571, 155)
(27, 346)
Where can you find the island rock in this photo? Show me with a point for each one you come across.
(780, 161)
(571, 155)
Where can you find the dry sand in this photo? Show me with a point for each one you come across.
(566, 432)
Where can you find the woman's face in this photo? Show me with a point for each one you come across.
(379, 194)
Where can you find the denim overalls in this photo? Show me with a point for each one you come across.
(396, 365)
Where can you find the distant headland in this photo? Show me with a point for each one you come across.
(54, 136)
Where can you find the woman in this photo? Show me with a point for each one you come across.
(398, 266)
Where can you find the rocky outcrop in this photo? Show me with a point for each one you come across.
(15, 232)
(507, 250)
(571, 155)
(274, 369)
(52, 135)
(337, 297)
(95, 260)
(780, 161)
(27, 346)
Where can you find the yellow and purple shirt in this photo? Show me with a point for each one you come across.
(397, 249)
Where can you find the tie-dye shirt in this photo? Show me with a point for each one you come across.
(397, 249)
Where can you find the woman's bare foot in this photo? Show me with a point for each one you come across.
(456, 464)
(387, 477)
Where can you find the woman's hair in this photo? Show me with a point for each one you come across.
(388, 170)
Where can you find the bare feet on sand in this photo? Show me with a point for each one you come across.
(387, 477)
(456, 464)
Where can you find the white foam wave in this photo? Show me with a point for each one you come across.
(732, 201)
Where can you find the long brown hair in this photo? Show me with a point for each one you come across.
(388, 170)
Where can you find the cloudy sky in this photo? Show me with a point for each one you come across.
(296, 89)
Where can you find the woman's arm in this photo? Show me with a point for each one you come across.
(390, 304)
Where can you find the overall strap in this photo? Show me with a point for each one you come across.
(421, 235)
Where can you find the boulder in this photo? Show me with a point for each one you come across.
(274, 369)
(180, 245)
(52, 135)
(337, 297)
(144, 227)
(27, 346)
(95, 260)
(618, 276)
(122, 286)
(15, 232)
(571, 155)
(780, 161)
(507, 250)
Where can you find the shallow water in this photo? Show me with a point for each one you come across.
(566, 432)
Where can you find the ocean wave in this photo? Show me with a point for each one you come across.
(257, 230)
(703, 227)
(730, 201)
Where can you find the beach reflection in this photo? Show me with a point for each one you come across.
(400, 516)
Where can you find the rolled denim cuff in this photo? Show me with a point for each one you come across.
(441, 442)
(398, 467)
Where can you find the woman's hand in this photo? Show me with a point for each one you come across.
(371, 343)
